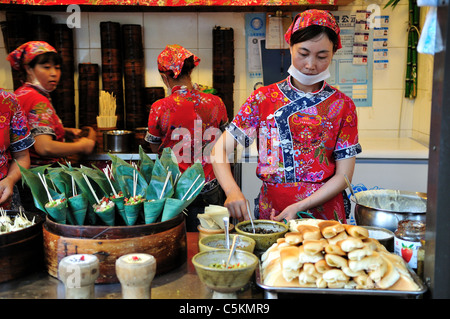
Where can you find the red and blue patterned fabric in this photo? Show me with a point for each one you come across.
(15, 134)
(42, 118)
(187, 121)
(300, 136)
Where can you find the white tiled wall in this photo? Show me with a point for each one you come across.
(391, 115)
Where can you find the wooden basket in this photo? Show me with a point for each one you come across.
(166, 241)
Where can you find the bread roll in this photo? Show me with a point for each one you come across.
(364, 282)
(367, 263)
(334, 240)
(336, 261)
(330, 228)
(306, 280)
(335, 250)
(356, 231)
(360, 253)
(321, 283)
(289, 262)
(312, 247)
(274, 276)
(352, 273)
(350, 244)
(294, 223)
(322, 266)
(309, 232)
(306, 258)
(293, 238)
(335, 276)
(405, 283)
(378, 273)
(391, 275)
(311, 270)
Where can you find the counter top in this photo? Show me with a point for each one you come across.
(372, 148)
(392, 148)
(180, 283)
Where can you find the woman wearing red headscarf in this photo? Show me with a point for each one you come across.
(306, 132)
(40, 65)
(188, 121)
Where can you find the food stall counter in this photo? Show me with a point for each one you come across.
(180, 283)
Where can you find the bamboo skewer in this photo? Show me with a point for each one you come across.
(107, 110)
(187, 192)
(90, 187)
(105, 170)
(198, 187)
(165, 184)
(44, 182)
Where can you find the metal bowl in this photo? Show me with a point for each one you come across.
(118, 141)
(385, 208)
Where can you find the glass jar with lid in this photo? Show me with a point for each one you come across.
(407, 240)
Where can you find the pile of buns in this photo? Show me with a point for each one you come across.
(327, 254)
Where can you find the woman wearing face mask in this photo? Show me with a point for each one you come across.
(187, 121)
(306, 132)
(40, 65)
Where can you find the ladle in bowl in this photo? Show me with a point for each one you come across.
(350, 187)
(232, 250)
(251, 218)
(226, 222)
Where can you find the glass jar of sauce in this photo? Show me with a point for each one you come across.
(407, 240)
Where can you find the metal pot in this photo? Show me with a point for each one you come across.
(385, 208)
(118, 141)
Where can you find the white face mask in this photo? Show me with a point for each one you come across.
(38, 84)
(306, 79)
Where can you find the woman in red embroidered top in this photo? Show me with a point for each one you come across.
(188, 121)
(306, 130)
(41, 68)
(15, 140)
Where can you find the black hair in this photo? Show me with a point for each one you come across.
(49, 57)
(313, 31)
(187, 68)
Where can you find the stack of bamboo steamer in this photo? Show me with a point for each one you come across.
(111, 47)
(134, 76)
(223, 66)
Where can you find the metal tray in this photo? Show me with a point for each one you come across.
(271, 292)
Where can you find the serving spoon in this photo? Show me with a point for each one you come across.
(350, 187)
(232, 250)
(226, 222)
(251, 218)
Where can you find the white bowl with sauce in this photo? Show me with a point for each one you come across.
(383, 235)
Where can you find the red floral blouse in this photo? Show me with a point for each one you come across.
(15, 134)
(300, 137)
(187, 121)
(42, 118)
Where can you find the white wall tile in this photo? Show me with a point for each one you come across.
(161, 29)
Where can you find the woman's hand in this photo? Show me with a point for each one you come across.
(6, 189)
(237, 205)
(72, 133)
(288, 213)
